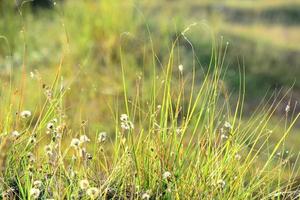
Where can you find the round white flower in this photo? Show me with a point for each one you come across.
(180, 67)
(25, 114)
(75, 143)
(237, 156)
(124, 117)
(221, 183)
(15, 134)
(227, 125)
(84, 138)
(84, 184)
(37, 184)
(92, 192)
(167, 175)
(35, 193)
(287, 108)
(102, 137)
(224, 137)
(146, 196)
(50, 126)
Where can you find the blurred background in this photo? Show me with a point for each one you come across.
(263, 36)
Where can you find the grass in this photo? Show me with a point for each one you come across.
(160, 148)
(112, 115)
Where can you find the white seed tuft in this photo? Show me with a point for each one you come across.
(102, 137)
(25, 114)
(92, 192)
(84, 184)
(167, 175)
(84, 138)
(35, 193)
(75, 143)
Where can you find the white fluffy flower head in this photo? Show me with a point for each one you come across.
(92, 192)
(84, 184)
(25, 114)
(180, 67)
(84, 138)
(35, 193)
(102, 137)
(75, 143)
(15, 134)
(167, 175)
(37, 184)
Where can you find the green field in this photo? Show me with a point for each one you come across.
(111, 99)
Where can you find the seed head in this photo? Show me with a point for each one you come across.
(84, 138)
(126, 124)
(124, 117)
(167, 175)
(224, 137)
(25, 114)
(37, 184)
(180, 67)
(32, 139)
(287, 108)
(84, 184)
(102, 137)
(92, 192)
(145, 196)
(237, 156)
(221, 183)
(75, 143)
(50, 126)
(15, 134)
(35, 193)
(227, 125)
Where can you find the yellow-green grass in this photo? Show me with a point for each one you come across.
(184, 122)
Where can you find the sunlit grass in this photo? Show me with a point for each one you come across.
(119, 111)
(174, 143)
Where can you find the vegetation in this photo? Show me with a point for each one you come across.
(98, 103)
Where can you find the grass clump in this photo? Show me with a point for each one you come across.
(178, 138)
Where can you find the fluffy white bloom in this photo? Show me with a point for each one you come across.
(49, 150)
(237, 157)
(287, 108)
(180, 67)
(25, 114)
(124, 117)
(221, 183)
(227, 125)
(102, 137)
(84, 138)
(146, 196)
(35, 193)
(92, 192)
(37, 184)
(31, 74)
(32, 139)
(84, 184)
(75, 143)
(224, 137)
(50, 126)
(167, 175)
(126, 124)
(15, 134)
